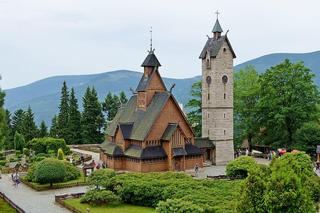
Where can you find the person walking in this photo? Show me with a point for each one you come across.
(196, 170)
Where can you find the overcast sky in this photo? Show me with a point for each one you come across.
(42, 38)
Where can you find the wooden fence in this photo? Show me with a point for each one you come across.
(11, 203)
(60, 199)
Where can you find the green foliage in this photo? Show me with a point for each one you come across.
(100, 197)
(148, 189)
(63, 115)
(101, 178)
(43, 131)
(3, 162)
(246, 97)
(50, 170)
(60, 155)
(307, 137)
(19, 142)
(178, 206)
(195, 116)
(288, 99)
(54, 127)
(240, 167)
(17, 124)
(43, 145)
(123, 98)
(289, 185)
(72, 172)
(26, 151)
(74, 122)
(29, 129)
(92, 118)
(112, 103)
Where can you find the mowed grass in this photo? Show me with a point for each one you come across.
(5, 207)
(123, 208)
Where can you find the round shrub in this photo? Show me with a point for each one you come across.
(240, 167)
(50, 171)
(30, 175)
(26, 151)
(99, 197)
(178, 205)
(72, 172)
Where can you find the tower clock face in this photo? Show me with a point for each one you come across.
(208, 79)
(224, 79)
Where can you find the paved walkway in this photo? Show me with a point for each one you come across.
(95, 156)
(32, 201)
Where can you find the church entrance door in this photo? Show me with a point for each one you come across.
(177, 164)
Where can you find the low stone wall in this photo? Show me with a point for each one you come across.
(11, 203)
(60, 199)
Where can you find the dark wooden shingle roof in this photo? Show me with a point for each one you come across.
(213, 47)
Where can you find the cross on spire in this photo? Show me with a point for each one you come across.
(217, 13)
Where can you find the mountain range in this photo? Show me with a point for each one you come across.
(43, 95)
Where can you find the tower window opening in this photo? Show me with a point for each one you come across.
(208, 96)
(208, 115)
(224, 49)
(208, 132)
(224, 115)
(224, 96)
(224, 132)
(208, 64)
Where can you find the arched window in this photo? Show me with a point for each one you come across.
(208, 63)
(224, 132)
(224, 115)
(224, 96)
(208, 96)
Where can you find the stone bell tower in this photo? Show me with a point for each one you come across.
(217, 94)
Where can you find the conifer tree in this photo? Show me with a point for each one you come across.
(17, 121)
(54, 127)
(19, 141)
(123, 98)
(115, 106)
(107, 104)
(74, 122)
(3, 123)
(8, 143)
(63, 113)
(92, 118)
(43, 130)
(29, 130)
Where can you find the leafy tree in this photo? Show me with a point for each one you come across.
(246, 97)
(195, 116)
(44, 145)
(50, 171)
(123, 98)
(19, 141)
(29, 126)
(60, 155)
(101, 178)
(308, 137)
(288, 98)
(54, 127)
(43, 130)
(63, 115)
(92, 118)
(74, 122)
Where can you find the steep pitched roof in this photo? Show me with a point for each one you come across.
(192, 149)
(177, 152)
(217, 27)
(214, 45)
(151, 60)
(171, 128)
(150, 152)
(126, 129)
(111, 148)
(145, 81)
(142, 120)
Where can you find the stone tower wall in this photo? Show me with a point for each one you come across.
(217, 108)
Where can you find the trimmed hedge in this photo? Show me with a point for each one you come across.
(100, 197)
(43, 145)
(240, 167)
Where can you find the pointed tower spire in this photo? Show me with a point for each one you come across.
(217, 29)
(151, 59)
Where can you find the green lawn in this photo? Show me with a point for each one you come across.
(71, 183)
(123, 208)
(5, 207)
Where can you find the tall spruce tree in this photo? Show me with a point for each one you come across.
(54, 127)
(107, 104)
(17, 121)
(194, 104)
(74, 122)
(123, 98)
(92, 118)
(63, 113)
(29, 126)
(43, 130)
(3, 122)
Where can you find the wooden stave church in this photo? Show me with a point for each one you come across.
(150, 133)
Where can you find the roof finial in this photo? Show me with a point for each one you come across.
(151, 50)
(217, 12)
